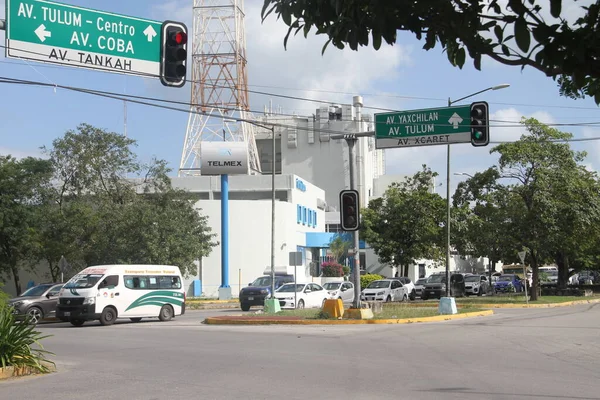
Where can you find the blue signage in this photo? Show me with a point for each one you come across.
(300, 185)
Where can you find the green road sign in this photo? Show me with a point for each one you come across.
(57, 33)
(425, 127)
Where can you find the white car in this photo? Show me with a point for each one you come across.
(340, 290)
(409, 285)
(307, 295)
(384, 290)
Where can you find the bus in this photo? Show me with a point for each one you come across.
(516, 269)
(106, 293)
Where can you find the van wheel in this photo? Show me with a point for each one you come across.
(77, 322)
(135, 319)
(245, 307)
(166, 313)
(108, 317)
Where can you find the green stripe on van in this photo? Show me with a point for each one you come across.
(158, 298)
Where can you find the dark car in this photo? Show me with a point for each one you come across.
(509, 283)
(256, 292)
(436, 286)
(36, 303)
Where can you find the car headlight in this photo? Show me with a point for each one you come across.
(380, 293)
(16, 304)
(264, 291)
(89, 300)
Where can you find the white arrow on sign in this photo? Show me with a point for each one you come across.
(150, 33)
(455, 119)
(42, 33)
(522, 255)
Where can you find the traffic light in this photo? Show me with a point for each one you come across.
(349, 210)
(173, 53)
(480, 131)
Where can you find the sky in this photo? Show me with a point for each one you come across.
(399, 77)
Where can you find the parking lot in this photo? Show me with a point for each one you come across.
(515, 354)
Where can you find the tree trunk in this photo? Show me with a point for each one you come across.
(491, 268)
(15, 273)
(534, 267)
(562, 262)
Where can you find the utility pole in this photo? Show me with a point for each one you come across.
(355, 242)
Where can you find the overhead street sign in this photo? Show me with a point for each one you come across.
(425, 127)
(57, 33)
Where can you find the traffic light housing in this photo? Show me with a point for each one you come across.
(349, 210)
(173, 53)
(480, 130)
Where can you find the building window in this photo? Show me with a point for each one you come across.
(310, 217)
(315, 220)
(304, 215)
(299, 214)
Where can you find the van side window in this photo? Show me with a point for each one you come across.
(110, 282)
(169, 282)
(152, 282)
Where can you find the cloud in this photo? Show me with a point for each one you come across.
(301, 71)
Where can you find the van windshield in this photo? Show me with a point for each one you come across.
(83, 281)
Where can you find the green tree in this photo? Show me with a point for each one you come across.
(22, 184)
(533, 33)
(339, 247)
(407, 222)
(542, 172)
(482, 225)
(108, 207)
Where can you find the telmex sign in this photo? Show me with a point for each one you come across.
(224, 158)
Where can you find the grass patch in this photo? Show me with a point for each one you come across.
(520, 299)
(392, 311)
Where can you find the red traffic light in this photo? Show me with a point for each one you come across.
(178, 37)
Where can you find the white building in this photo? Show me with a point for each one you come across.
(300, 223)
(304, 147)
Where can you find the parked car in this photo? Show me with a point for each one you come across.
(409, 285)
(586, 277)
(256, 292)
(340, 290)
(436, 286)
(509, 283)
(36, 303)
(384, 290)
(307, 295)
(419, 286)
(477, 285)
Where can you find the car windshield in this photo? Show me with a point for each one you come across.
(36, 291)
(421, 281)
(83, 281)
(472, 278)
(332, 285)
(290, 288)
(437, 279)
(262, 281)
(378, 285)
(505, 278)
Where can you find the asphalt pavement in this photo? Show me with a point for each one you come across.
(514, 354)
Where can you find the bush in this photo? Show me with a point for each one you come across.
(346, 270)
(368, 278)
(16, 341)
(332, 269)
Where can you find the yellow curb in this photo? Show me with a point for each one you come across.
(258, 321)
(547, 305)
(212, 301)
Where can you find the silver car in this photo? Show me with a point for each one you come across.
(340, 290)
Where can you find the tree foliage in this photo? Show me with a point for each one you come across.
(406, 224)
(22, 186)
(524, 33)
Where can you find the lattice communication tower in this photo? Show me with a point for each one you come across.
(219, 83)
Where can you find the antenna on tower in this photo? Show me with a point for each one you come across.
(219, 83)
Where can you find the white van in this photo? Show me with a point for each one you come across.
(108, 292)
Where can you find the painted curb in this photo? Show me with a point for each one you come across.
(547, 305)
(259, 321)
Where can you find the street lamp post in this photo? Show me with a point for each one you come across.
(450, 102)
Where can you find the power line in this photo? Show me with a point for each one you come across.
(298, 98)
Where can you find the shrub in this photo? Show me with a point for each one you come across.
(346, 270)
(16, 341)
(368, 278)
(332, 269)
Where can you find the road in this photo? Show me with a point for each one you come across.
(515, 354)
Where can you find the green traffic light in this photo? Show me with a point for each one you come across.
(478, 135)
